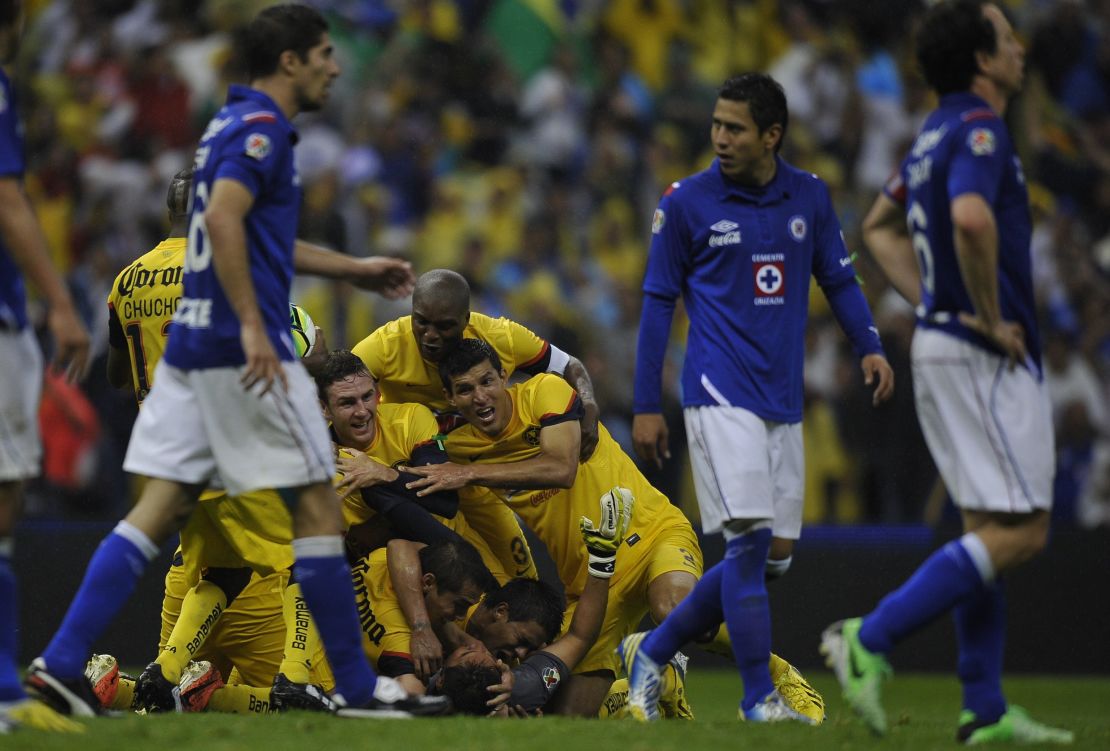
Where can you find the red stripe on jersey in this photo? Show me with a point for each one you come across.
(569, 407)
(979, 114)
(670, 189)
(402, 655)
(537, 358)
(260, 117)
(896, 188)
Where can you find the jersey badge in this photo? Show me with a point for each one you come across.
(657, 221)
(257, 146)
(551, 677)
(532, 435)
(769, 273)
(981, 141)
(798, 227)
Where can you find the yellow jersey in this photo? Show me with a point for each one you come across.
(402, 429)
(386, 635)
(141, 304)
(553, 513)
(393, 357)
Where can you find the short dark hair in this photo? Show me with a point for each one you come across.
(463, 357)
(467, 687)
(765, 97)
(177, 197)
(277, 29)
(950, 35)
(531, 600)
(340, 364)
(455, 563)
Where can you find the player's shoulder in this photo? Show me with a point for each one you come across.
(167, 254)
(691, 187)
(385, 340)
(409, 414)
(486, 327)
(543, 387)
(801, 181)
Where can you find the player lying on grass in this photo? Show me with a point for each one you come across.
(523, 442)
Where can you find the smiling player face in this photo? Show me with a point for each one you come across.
(480, 397)
(351, 407)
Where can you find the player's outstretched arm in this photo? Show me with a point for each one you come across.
(555, 466)
(224, 220)
(403, 558)
(578, 377)
(390, 277)
(601, 541)
(27, 246)
(885, 234)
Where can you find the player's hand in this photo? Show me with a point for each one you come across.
(263, 365)
(1006, 335)
(603, 540)
(315, 358)
(392, 278)
(650, 437)
(503, 690)
(589, 429)
(71, 342)
(426, 651)
(875, 367)
(360, 471)
(436, 477)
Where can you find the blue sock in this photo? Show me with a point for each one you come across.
(747, 612)
(694, 616)
(949, 575)
(325, 578)
(981, 632)
(109, 580)
(10, 688)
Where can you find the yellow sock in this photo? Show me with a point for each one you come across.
(302, 640)
(125, 691)
(240, 700)
(616, 703)
(200, 608)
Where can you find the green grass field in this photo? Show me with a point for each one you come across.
(922, 710)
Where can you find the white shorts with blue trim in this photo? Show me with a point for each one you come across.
(202, 427)
(746, 467)
(988, 427)
(20, 392)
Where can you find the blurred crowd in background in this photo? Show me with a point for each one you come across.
(525, 144)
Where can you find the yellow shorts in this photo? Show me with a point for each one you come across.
(254, 530)
(672, 549)
(497, 525)
(249, 635)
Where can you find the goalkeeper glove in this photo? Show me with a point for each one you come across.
(603, 541)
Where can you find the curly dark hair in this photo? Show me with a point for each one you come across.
(466, 686)
(531, 600)
(463, 357)
(340, 364)
(950, 35)
(454, 563)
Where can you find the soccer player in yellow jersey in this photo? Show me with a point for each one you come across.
(523, 442)
(404, 356)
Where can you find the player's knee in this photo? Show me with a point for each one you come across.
(231, 580)
(776, 567)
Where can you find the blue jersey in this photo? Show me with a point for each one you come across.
(249, 141)
(963, 148)
(13, 296)
(741, 259)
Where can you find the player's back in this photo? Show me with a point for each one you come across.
(964, 148)
(143, 299)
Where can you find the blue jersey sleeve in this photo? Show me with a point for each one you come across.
(253, 155)
(11, 143)
(831, 264)
(651, 348)
(978, 160)
(669, 253)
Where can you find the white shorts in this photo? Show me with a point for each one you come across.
(746, 467)
(202, 427)
(20, 392)
(989, 428)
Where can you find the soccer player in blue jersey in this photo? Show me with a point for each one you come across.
(739, 242)
(231, 404)
(959, 203)
(23, 251)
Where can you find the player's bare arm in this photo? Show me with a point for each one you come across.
(27, 246)
(392, 278)
(361, 471)
(577, 376)
(403, 557)
(885, 234)
(651, 438)
(228, 207)
(555, 466)
(976, 240)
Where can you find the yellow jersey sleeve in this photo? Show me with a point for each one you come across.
(518, 346)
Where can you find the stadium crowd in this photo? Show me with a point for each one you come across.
(525, 144)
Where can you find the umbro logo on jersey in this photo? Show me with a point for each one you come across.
(724, 226)
(730, 235)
